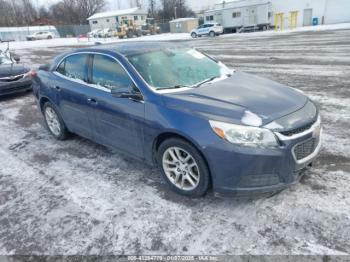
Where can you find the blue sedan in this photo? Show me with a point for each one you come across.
(204, 125)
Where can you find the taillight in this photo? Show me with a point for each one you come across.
(33, 73)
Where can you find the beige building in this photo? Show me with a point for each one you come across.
(112, 19)
(183, 25)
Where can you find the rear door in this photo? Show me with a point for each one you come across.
(70, 83)
(119, 121)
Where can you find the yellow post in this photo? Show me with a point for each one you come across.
(281, 18)
(293, 19)
(276, 22)
(279, 21)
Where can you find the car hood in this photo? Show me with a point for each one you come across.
(12, 70)
(239, 98)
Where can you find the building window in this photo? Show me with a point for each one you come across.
(117, 19)
(136, 17)
(94, 22)
(142, 17)
(236, 14)
(209, 18)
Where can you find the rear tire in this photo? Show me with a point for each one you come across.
(54, 122)
(183, 167)
(49, 37)
(212, 34)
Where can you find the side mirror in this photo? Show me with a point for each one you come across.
(126, 92)
(17, 59)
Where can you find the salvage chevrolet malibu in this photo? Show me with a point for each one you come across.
(203, 124)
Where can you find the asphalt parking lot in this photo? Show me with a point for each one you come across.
(76, 197)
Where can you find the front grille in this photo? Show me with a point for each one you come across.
(11, 78)
(305, 149)
(297, 130)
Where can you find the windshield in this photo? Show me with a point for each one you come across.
(4, 59)
(173, 68)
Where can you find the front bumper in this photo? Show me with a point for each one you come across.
(22, 85)
(238, 170)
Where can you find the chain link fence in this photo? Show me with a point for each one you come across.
(72, 30)
(20, 33)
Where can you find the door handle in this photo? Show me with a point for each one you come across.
(92, 101)
(57, 88)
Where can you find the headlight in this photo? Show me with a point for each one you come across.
(244, 135)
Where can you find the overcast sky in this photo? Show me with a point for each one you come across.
(115, 4)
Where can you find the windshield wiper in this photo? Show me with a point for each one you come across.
(206, 81)
(172, 87)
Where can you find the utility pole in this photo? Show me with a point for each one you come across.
(137, 2)
(175, 11)
(14, 12)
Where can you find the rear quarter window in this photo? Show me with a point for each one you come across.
(74, 66)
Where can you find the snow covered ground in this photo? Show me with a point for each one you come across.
(76, 197)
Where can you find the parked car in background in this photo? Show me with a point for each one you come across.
(93, 33)
(40, 36)
(107, 32)
(210, 29)
(14, 78)
(204, 125)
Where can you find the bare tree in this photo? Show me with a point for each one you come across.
(17, 13)
(152, 7)
(168, 8)
(76, 11)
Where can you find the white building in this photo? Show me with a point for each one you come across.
(238, 13)
(112, 19)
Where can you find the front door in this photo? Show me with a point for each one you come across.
(252, 16)
(307, 17)
(119, 121)
(201, 30)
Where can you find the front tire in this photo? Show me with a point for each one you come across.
(183, 167)
(194, 35)
(54, 122)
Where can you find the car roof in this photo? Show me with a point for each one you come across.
(132, 48)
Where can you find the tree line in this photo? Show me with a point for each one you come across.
(25, 12)
(169, 9)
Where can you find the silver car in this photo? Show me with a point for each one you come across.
(210, 29)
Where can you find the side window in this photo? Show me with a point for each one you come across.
(108, 73)
(236, 14)
(74, 66)
(60, 68)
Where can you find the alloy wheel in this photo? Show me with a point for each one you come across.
(181, 168)
(52, 121)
